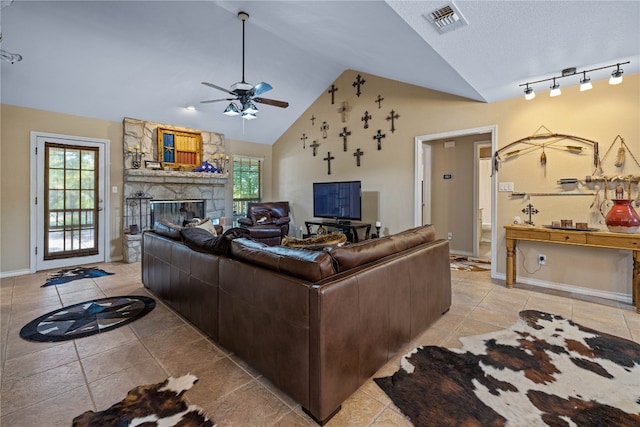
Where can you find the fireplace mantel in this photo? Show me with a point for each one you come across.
(160, 177)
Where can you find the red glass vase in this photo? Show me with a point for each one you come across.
(622, 218)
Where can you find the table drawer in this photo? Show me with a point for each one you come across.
(525, 234)
(620, 242)
(568, 238)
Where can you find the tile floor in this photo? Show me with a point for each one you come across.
(50, 383)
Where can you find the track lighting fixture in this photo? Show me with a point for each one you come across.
(555, 88)
(616, 76)
(585, 82)
(529, 93)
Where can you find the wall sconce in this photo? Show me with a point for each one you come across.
(220, 162)
(136, 156)
(585, 82)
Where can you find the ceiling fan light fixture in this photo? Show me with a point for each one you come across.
(250, 108)
(231, 110)
(249, 116)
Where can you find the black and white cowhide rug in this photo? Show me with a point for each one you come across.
(156, 405)
(544, 370)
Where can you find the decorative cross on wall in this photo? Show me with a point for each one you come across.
(344, 110)
(314, 145)
(358, 153)
(366, 119)
(313, 120)
(359, 82)
(332, 91)
(393, 116)
(379, 136)
(379, 101)
(304, 140)
(344, 134)
(328, 159)
(529, 210)
(324, 128)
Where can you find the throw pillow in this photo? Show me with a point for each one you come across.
(261, 217)
(205, 224)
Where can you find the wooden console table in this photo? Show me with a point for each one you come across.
(351, 227)
(597, 239)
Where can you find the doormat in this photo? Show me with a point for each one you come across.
(159, 404)
(543, 371)
(69, 274)
(87, 318)
(463, 263)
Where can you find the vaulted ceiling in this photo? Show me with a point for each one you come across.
(147, 59)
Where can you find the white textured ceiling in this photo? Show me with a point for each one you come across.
(146, 59)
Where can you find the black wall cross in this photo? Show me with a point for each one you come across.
(344, 110)
(529, 210)
(358, 153)
(332, 91)
(379, 101)
(314, 145)
(393, 116)
(328, 159)
(313, 120)
(344, 134)
(304, 140)
(379, 136)
(359, 82)
(324, 128)
(366, 119)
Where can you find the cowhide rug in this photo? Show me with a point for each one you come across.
(544, 370)
(156, 405)
(463, 263)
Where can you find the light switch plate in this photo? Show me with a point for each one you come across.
(505, 186)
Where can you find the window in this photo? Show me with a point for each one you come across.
(246, 184)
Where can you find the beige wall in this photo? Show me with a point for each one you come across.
(599, 114)
(17, 123)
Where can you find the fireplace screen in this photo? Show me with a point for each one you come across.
(177, 211)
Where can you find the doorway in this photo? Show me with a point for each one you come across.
(68, 183)
(426, 186)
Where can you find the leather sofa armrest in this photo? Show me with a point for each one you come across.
(282, 221)
(245, 221)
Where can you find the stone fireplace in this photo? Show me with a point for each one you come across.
(169, 185)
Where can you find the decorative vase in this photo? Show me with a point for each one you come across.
(622, 218)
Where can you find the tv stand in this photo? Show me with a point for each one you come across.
(350, 228)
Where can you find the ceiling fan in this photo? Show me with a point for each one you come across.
(244, 92)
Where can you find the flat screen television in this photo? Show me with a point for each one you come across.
(337, 200)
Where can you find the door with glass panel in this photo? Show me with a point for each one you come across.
(69, 203)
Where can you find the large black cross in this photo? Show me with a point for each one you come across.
(529, 210)
(344, 134)
(304, 140)
(358, 153)
(313, 120)
(314, 145)
(393, 116)
(366, 119)
(379, 101)
(328, 159)
(359, 82)
(379, 136)
(332, 91)
(324, 128)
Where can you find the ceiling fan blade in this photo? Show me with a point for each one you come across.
(218, 87)
(261, 88)
(217, 100)
(281, 104)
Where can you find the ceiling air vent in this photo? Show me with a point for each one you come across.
(446, 18)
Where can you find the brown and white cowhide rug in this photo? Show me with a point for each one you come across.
(156, 405)
(544, 370)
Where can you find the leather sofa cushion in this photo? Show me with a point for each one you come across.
(201, 240)
(348, 257)
(306, 265)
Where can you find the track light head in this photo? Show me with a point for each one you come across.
(555, 88)
(585, 82)
(616, 76)
(529, 94)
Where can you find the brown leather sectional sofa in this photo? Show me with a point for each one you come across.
(318, 324)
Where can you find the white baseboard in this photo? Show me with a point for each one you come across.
(615, 296)
(6, 274)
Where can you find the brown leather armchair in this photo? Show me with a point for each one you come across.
(267, 222)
